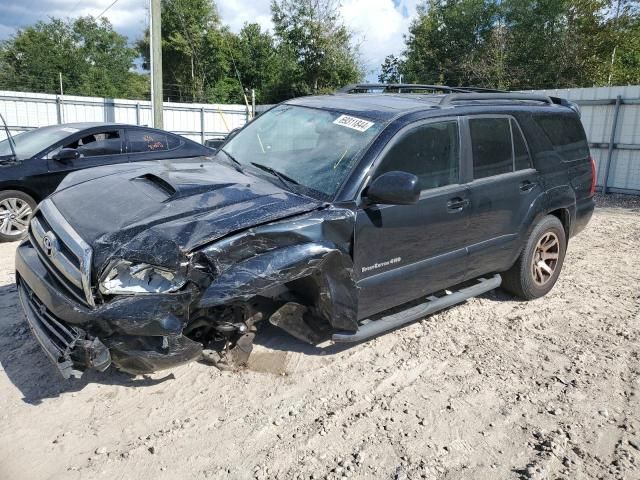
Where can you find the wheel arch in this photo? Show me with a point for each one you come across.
(21, 188)
(564, 215)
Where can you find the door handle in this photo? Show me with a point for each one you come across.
(527, 186)
(457, 204)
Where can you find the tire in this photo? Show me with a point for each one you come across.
(538, 267)
(16, 209)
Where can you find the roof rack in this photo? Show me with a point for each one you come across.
(454, 95)
(408, 88)
(492, 96)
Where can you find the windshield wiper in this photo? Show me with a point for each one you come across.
(284, 179)
(239, 165)
(12, 143)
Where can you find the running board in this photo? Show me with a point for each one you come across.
(373, 328)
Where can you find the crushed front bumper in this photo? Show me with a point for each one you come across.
(67, 346)
(138, 334)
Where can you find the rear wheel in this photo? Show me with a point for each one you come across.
(537, 269)
(16, 209)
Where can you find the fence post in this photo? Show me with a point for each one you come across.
(138, 113)
(202, 125)
(612, 139)
(59, 109)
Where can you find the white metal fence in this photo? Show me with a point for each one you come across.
(611, 117)
(26, 111)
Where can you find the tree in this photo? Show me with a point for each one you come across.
(310, 33)
(256, 60)
(522, 44)
(92, 57)
(623, 30)
(390, 70)
(445, 34)
(205, 62)
(191, 44)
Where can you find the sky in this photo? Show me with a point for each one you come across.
(379, 25)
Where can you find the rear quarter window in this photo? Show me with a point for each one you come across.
(566, 136)
(145, 141)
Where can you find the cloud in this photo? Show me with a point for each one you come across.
(236, 13)
(129, 17)
(379, 25)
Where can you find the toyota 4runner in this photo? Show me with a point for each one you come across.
(333, 217)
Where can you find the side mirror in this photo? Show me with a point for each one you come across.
(66, 155)
(394, 188)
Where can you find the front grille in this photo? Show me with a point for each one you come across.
(64, 253)
(61, 336)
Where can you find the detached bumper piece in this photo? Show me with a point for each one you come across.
(66, 345)
(139, 355)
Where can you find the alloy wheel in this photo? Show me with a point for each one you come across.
(14, 216)
(545, 258)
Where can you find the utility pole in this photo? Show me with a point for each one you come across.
(253, 103)
(61, 98)
(155, 35)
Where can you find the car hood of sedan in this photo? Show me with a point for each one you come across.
(156, 212)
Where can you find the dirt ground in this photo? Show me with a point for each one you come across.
(491, 389)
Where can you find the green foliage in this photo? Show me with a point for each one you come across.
(310, 33)
(390, 71)
(624, 44)
(521, 44)
(93, 59)
(443, 37)
(204, 62)
(191, 49)
(256, 58)
(311, 52)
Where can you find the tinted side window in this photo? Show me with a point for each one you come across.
(522, 158)
(141, 141)
(431, 152)
(566, 135)
(98, 144)
(491, 144)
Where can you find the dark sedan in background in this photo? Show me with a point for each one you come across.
(36, 163)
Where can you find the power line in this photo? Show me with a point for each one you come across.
(106, 9)
(72, 9)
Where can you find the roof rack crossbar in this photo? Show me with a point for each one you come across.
(491, 96)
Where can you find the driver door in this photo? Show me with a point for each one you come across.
(403, 252)
(103, 147)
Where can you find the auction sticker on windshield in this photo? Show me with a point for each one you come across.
(354, 123)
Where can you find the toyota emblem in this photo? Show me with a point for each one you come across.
(47, 243)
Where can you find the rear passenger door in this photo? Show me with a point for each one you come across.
(405, 251)
(503, 187)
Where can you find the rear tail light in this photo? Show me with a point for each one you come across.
(592, 190)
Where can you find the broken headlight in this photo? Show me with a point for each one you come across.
(129, 278)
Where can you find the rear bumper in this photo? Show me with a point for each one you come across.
(584, 212)
(138, 334)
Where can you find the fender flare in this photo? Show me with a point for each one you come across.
(556, 198)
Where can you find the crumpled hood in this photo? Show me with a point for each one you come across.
(156, 212)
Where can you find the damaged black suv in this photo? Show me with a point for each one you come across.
(334, 217)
